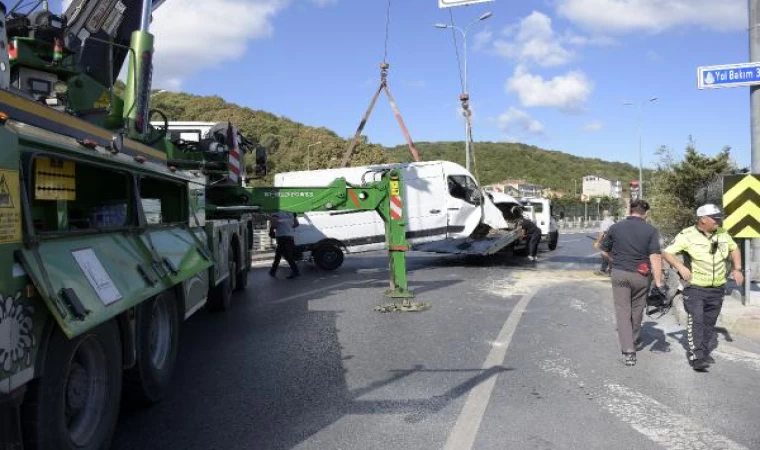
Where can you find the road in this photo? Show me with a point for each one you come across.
(512, 354)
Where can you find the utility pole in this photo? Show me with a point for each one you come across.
(753, 258)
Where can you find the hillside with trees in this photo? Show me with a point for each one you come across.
(287, 142)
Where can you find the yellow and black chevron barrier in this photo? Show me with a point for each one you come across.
(741, 203)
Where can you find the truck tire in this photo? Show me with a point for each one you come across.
(553, 239)
(157, 325)
(75, 402)
(220, 298)
(328, 257)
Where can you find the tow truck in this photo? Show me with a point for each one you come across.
(111, 232)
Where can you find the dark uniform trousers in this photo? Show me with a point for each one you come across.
(703, 305)
(286, 247)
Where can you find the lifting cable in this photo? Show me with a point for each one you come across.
(384, 66)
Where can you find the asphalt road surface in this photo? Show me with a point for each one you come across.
(512, 354)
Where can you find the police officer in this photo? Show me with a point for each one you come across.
(633, 248)
(706, 247)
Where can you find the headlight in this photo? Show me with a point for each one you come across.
(60, 87)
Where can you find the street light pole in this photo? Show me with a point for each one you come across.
(465, 96)
(308, 154)
(640, 106)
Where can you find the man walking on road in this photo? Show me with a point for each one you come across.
(281, 226)
(607, 222)
(706, 247)
(633, 248)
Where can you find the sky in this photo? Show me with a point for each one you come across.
(550, 73)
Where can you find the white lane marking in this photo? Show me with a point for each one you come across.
(374, 270)
(646, 415)
(662, 424)
(593, 255)
(731, 353)
(568, 266)
(462, 435)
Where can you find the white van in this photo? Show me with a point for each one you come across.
(539, 210)
(442, 202)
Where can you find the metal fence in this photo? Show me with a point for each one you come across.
(261, 240)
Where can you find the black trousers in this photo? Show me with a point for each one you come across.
(533, 240)
(703, 307)
(286, 247)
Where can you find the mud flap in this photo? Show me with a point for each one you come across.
(10, 422)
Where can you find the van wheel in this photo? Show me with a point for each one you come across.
(553, 239)
(220, 298)
(157, 325)
(74, 404)
(328, 257)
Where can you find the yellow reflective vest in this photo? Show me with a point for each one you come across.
(708, 255)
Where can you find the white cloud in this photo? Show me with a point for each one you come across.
(534, 40)
(482, 39)
(193, 35)
(593, 126)
(567, 93)
(517, 120)
(324, 3)
(622, 16)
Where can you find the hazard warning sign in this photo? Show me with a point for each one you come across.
(10, 211)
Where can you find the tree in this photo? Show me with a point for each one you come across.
(679, 187)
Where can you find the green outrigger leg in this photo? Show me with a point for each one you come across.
(395, 234)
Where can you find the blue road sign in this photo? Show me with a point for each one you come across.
(728, 75)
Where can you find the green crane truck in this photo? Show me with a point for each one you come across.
(112, 233)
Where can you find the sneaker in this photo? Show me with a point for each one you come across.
(272, 273)
(700, 365)
(600, 273)
(293, 275)
(629, 359)
(531, 258)
(709, 359)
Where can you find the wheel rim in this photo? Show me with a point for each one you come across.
(160, 333)
(329, 257)
(86, 386)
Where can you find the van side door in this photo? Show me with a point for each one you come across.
(463, 206)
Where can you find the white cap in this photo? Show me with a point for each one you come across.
(709, 210)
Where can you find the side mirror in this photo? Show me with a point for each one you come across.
(475, 197)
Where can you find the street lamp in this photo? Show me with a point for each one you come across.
(308, 154)
(638, 126)
(465, 97)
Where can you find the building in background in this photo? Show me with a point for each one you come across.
(518, 188)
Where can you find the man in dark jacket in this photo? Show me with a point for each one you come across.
(532, 233)
(633, 248)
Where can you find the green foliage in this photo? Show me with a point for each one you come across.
(287, 143)
(498, 161)
(678, 188)
(573, 206)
